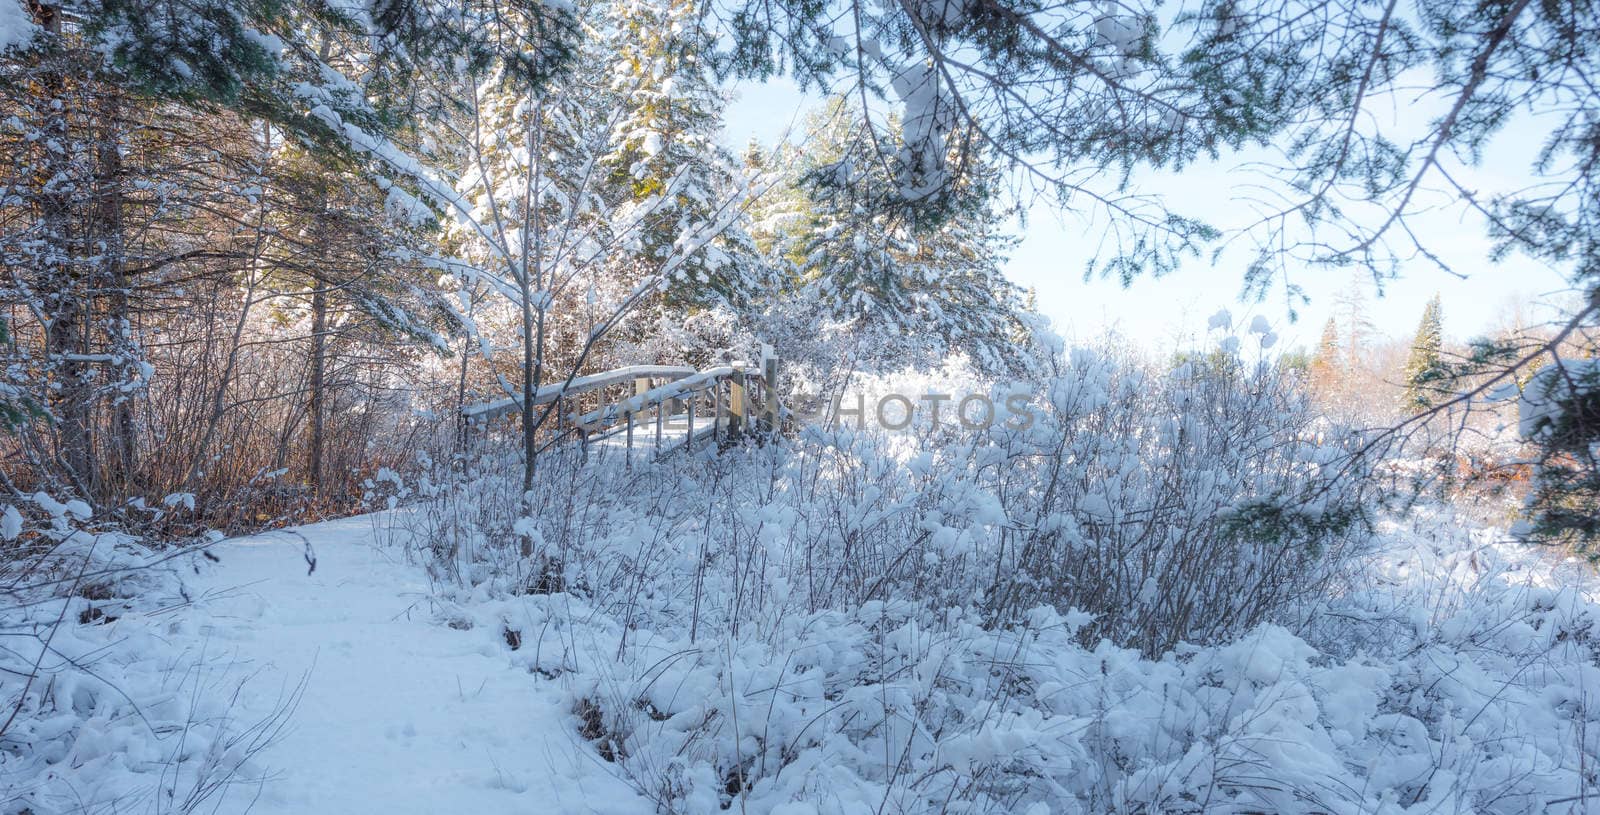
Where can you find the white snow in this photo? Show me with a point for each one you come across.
(1117, 30)
(400, 712)
(16, 26)
(177, 499)
(1222, 320)
(72, 509)
(1455, 673)
(1553, 385)
(11, 523)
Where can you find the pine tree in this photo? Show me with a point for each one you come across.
(906, 288)
(1327, 364)
(665, 144)
(1426, 371)
(127, 136)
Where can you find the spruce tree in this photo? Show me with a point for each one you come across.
(128, 124)
(1426, 371)
(1327, 364)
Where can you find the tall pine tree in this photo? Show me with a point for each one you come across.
(1327, 364)
(1426, 372)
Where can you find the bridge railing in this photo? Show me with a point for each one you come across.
(678, 406)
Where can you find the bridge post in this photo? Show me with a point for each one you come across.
(627, 417)
(738, 407)
(688, 440)
(769, 372)
(716, 406)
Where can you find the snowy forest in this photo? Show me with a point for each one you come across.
(413, 406)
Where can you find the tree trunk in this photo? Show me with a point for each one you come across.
(64, 307)
(109, 245)
(462, 426)
(532, 330)
(319, 386)
(525, 287)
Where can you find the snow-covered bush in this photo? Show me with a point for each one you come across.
(99, 710)
(1454, 681)
(1124, 606)
(1172, 505)
(1560, 413)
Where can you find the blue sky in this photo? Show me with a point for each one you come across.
(1173, 310)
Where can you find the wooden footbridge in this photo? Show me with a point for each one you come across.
(654, 409)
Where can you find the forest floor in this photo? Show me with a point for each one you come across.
(399, 711)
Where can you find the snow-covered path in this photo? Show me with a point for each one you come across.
(399, 714)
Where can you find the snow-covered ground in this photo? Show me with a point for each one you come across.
(400, 712)
(1460, 676)
(389, 708)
